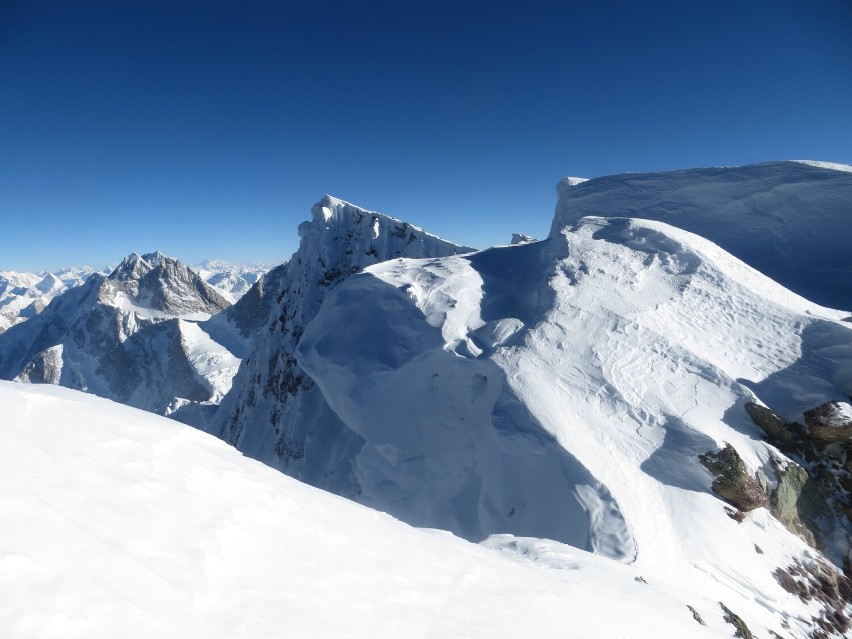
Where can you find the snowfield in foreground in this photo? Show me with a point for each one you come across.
(119, 523)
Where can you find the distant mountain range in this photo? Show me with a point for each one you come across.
(664, 381)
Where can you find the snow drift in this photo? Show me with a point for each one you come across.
(792, 221)
(567, 389)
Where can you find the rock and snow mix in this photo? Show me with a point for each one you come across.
(274, 412)
(624, 388)
(566, 389)
(133, 336)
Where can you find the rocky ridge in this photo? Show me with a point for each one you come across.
(131, 336)
(274, 411)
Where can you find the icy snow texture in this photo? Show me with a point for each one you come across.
(565, 389)
(792, 221)
(119, 523)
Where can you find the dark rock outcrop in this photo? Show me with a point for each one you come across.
(733, 482)
(811, 496)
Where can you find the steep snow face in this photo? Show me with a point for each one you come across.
(274, 412)
(566, 388)
(791, 221)
(119, 523)
(126, 337)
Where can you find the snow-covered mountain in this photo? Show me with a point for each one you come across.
(231, 280)
(274, 412)
(596, 389)
(624, 388)
(24, 295)
(133, 336)
(792, 221)
(612, 388)
(118, 523)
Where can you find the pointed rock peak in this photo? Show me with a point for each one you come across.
(131, 267)
(157, 258)
(520, 238)
(48, 283)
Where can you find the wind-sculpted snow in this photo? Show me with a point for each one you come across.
(566, 389)
(274, 412)
(118, 523)
(791, 221)
(447, 442)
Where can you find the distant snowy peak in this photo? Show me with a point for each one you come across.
(24, 295)
(790, 220)
(131, 336)
(231, 280)
(162, 284)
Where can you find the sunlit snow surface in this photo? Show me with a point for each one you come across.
(118, 523)
(565, 389)
(790, 220)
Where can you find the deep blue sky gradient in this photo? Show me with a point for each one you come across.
(207, 129)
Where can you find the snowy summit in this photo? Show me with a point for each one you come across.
(646, 412)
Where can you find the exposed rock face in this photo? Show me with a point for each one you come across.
(740, 627)
(812, 499)
(831, 422)
(733, 482)
(251, 314)
(798, 503)
(815, 581)
(120, 337)
(44, 368)
(275, 413)
(154, 281)
(790, 438)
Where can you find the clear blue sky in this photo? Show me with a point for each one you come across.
(207, 129)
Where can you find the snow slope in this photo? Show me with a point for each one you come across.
(791, 221)
(118, 523)
(566, 388)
